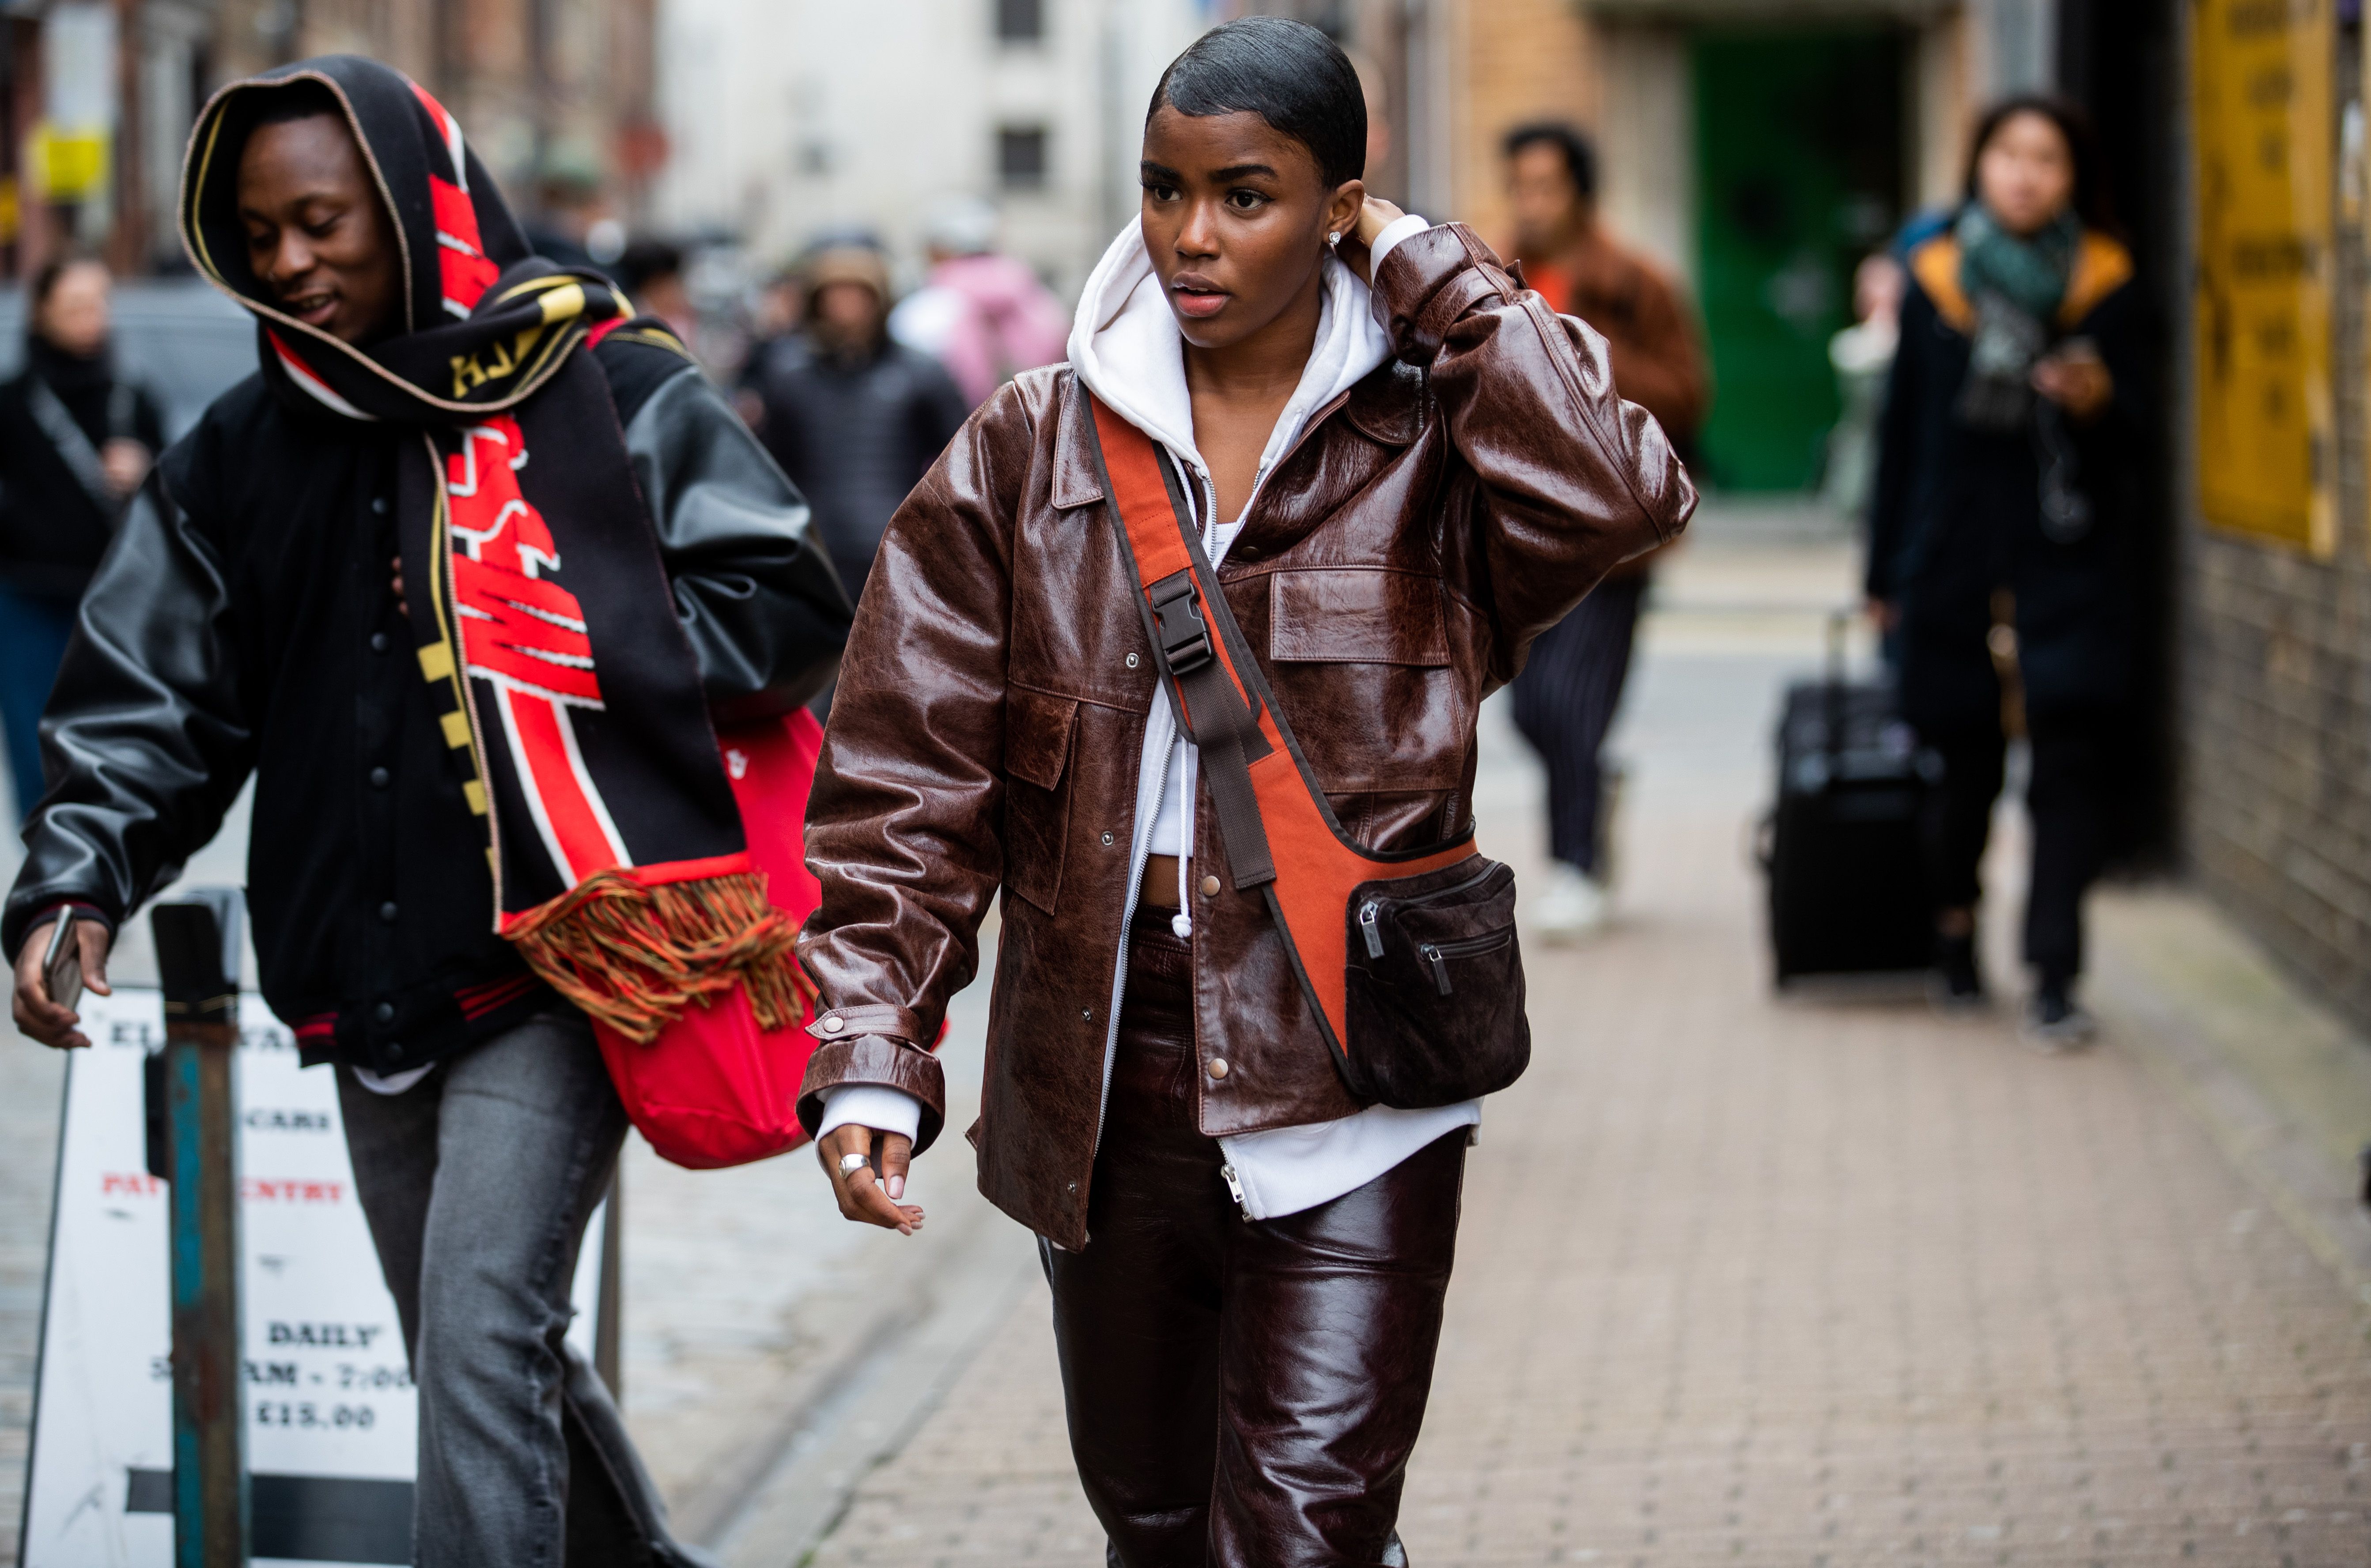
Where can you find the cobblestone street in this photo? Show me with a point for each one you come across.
(1822, 1279)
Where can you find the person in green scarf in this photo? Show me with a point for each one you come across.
(2000, 532)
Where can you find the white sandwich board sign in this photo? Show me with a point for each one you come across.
(331, 1420)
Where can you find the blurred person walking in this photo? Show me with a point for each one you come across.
(1567, 696)
(458, 577)
(855, 418)
(1999, 532)
(76, 441)
(651, 272)
(1862, 357)
(983, 315)
(1404, 469)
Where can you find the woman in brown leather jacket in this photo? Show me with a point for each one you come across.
(1403, 482)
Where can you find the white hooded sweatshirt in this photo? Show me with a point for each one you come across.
(1126, 350)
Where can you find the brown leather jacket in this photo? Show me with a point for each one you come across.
(992, 705)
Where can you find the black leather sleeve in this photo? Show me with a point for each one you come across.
(146, 744)
(758, 598)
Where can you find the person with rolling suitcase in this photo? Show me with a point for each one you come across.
(2000, 531)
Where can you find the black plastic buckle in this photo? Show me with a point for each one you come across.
(1185, 635)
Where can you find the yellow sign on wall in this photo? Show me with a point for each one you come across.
(2260, 111)
(67, 166)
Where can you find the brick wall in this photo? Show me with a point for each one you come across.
(2276, 702)
(1514, 60)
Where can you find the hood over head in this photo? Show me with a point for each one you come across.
(485, 321)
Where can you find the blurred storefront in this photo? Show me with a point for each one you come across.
(101, 95)
(2276, 636)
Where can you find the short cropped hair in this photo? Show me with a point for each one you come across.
(1579, 152)
(1290, 74)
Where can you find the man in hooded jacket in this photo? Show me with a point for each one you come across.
(459, 576)
(855, 418)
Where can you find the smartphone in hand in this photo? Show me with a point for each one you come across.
(62, 965)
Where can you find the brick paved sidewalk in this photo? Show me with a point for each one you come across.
(1817, 1281)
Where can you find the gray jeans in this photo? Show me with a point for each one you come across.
(477, 1183)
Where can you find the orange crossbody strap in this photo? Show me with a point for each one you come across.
(1278, 832)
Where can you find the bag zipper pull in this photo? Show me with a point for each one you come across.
(1235, 1187)
(1367, 917)
(1440, 967)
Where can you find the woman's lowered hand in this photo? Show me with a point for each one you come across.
(2078, 380)
(863, 1197)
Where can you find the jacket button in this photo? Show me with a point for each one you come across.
(387, 912)
(1087, 1012)
(1108, 838)
(394, 1052)
(383, 1012)
(379, 504)
(380, 778)
(1217, 1066)
(1210, 887)
(378, 642)
(834, 1025)
(1132, 661)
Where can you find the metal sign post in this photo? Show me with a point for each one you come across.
(197, 962)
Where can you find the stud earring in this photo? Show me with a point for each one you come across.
(1333, 239)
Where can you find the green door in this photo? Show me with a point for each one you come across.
(1799, 175)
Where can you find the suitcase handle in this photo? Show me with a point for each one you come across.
(1839, 624)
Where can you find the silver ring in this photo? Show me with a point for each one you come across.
(849, 1164)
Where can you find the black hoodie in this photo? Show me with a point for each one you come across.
(245, 621)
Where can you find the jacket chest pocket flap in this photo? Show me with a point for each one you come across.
(1038, 729)
(1360, 661)
(1356, 615)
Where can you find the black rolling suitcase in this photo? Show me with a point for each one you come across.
(1841, 847)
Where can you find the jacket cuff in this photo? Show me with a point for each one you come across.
(48, 912)
(1429, 282)
(878, 1060)
(871, 1105)
(846, 1023)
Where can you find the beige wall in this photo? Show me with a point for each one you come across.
(1509, 61)
(1647, 143)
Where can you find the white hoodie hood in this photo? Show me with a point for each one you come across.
(1126, 350)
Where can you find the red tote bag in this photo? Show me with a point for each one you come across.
(714, 1090)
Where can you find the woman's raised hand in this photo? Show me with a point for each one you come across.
(1374, 218)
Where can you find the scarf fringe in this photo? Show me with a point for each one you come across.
(632, 955)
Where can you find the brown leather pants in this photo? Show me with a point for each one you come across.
(1241, 1395)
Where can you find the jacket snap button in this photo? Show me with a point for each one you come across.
(383, 1012)
(1131, 661)
(834, 1025)
(1217, 1066)
(1210, 887)
(1108, 838)
(380, 778)
(386, 913)
(1086, 1012)
(378, 642)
